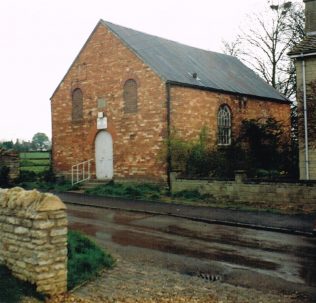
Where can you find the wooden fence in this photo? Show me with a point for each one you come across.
(35, 161)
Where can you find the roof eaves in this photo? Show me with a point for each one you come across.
(302, 54)
(306, 47)
(175, 83)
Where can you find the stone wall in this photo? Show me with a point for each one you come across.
(33, 242)
(289, 196)
(10, 159)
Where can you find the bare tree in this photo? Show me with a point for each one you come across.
(264, 43)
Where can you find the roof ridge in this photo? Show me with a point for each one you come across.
(190, 66)
(162, 38)
(177, 62)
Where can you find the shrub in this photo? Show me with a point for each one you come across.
(268, 148)
(27, 176)
(261, 145)
(49, 186)
(47, 175)
(85, 259)
(4, 176)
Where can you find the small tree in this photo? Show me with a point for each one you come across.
(40, 142)
(266, 147)
(4, 176)
(261, 145)
(7, 144)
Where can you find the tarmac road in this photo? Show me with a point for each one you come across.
(240, 256)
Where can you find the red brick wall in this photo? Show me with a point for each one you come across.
(191, 110)
(100, 71)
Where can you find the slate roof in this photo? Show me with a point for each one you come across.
(176, 63)
(306, 46)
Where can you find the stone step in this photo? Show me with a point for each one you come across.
(92, 183)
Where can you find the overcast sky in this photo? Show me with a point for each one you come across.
(40, 39)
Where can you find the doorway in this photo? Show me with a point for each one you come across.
(104, 156)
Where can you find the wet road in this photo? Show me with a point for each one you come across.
(239, 256)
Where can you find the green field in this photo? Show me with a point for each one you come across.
(35, 161)
(35, 155)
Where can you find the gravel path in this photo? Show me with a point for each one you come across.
(137, 282)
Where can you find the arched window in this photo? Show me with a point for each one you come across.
(130, 96)
(224, 125)
(77, 105)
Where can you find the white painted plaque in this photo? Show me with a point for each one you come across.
(102, 123)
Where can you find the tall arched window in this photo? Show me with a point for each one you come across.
(130, 96)
(77, 105)
(224, 125)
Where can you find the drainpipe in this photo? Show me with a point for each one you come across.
(168, 135)
(305, 121)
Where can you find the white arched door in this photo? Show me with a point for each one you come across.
(104, 155)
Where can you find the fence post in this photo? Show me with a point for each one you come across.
(240, 176)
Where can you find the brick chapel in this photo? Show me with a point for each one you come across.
(126, 91)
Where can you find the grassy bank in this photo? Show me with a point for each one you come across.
(85, 261)
(152, 192)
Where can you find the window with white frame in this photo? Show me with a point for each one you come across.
(224, 125)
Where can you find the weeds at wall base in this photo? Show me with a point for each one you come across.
(85, 259)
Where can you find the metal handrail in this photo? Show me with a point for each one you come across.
(81, 172)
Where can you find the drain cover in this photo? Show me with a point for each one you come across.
(206, 276)
(209, 277)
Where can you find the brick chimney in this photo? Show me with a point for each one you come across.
(310, 15)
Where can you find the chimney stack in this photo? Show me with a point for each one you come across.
(310, 16)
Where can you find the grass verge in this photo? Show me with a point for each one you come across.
(85, 259)
(142, 191)
(152, 192)
(47, 186)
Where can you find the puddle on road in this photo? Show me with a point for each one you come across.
(128, 217)
(221, 236)
(82, 214)
(308, 266)
(88, 229)
(157, 243)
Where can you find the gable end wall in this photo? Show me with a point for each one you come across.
(100, 71)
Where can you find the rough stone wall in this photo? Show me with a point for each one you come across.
(310, 76)
(192, 109)
(12, 161)
(100, 71)
(288, 196)
(33, 242)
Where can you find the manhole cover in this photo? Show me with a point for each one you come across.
(211, 277)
